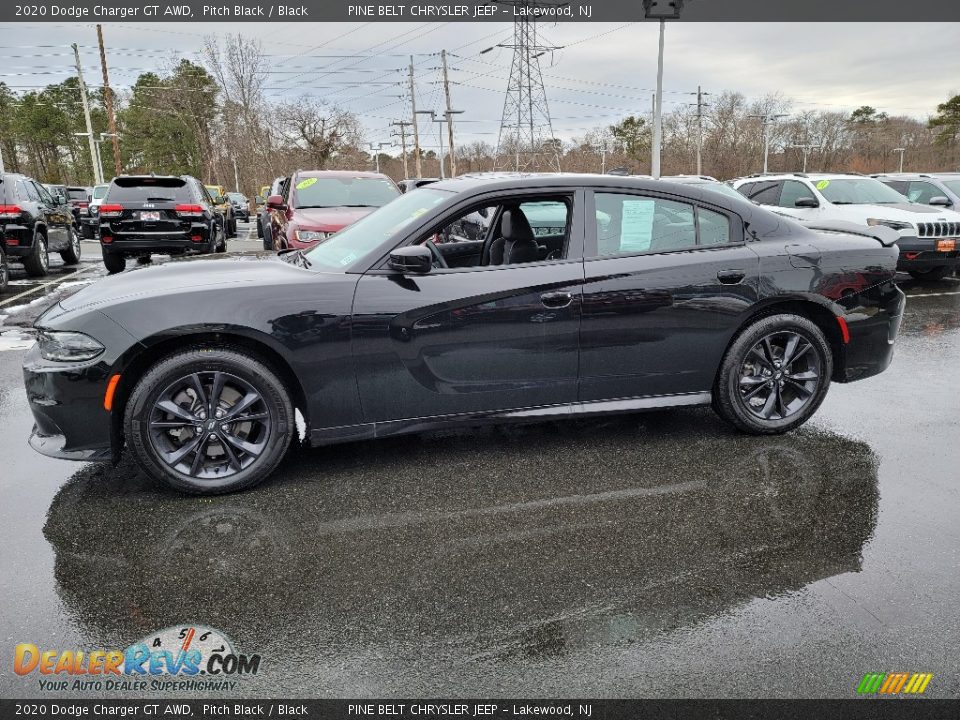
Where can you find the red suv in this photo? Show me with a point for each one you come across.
(314, 204)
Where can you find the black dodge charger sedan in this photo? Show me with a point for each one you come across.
(630, 295)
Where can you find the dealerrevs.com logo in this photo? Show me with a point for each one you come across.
(190, 657)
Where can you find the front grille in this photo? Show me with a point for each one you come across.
(938, 229)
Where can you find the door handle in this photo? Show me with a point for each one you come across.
(731, 277)
(556, 299)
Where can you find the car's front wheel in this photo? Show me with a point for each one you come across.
(209, 421)
(931, 275)
(71, 256)
(774, 375)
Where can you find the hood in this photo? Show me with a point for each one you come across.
(329, 219)
(909, 211)
(179, 275)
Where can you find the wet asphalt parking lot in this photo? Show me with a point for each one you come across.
(649, 555)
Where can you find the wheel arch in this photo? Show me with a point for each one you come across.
(154, 349)
(818, 311)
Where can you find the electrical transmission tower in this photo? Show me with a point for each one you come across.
(526, 133)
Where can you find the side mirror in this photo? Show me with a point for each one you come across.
(412, 259)
(806, 202)
(275, 202)
(940, 200)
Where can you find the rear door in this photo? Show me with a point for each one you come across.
(666, 281)
(58, 217)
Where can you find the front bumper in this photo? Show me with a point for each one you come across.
(923, 254)
(66, 400)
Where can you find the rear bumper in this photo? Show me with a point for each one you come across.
(21, 234)
(873, 332)
(136, 243)
(922, 254)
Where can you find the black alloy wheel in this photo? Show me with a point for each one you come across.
(209, 421)
(774, 375)
(71, 256)
(4, 270)
(37, 263)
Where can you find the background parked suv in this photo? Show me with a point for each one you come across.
(937, 189)
(145, 214)
(90, 227)
(33, 223)
(219, 195)
(928, 235)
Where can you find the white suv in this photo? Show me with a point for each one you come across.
(928, 235)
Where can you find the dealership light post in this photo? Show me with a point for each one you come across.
(900, 150)
(376, 152)
(661, 10)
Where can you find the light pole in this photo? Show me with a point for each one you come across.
(661, 10)
(807, 149)
(768, 120)
(901, 151)
(376, 152)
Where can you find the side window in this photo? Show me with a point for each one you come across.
(792, 191)
(714, 227)
(32, 193)
(746, 189)
(629, 224)
(44, 195)
(899, 185)
(21, 191)
(285, 190)
(765, 193)
(205, 195)
(921, 192)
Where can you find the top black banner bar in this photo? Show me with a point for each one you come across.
(192, 11)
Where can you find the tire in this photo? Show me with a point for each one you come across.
(71, 256)
(37, 263)
(220, 246)
(4, 270)
(114, 263)
(259, 227)
(268, 237)
(232, 228)
(931, 275)
(202, 463)
(755, 394)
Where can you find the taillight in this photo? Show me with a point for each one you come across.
(82, 204)
(106, 239)
(10, 212)
(12, 241)
(111, 210)
(189, 210)
(196, 238)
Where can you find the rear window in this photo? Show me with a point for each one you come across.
(149, 190)
(77, 193)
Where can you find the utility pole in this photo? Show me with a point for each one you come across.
(1, 161)
(901, 151)
(416, 131)
(658, 111)
(807, 149)
(236, 176)
(98, 179)
(700, 106)
(450, 113)
(768, 120)
(108, 101)
(402, 124)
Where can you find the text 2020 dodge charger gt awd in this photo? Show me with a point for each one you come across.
(631, 294)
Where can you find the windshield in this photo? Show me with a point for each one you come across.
(858, 191)
(237, 196)
(319, 192)
(360, 240)
(953, 185)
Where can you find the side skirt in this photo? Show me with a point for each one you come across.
(370, 431)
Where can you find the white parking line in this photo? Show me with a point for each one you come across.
(910, 297)
(59, 280)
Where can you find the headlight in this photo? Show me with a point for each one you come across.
(895, 224)
(311, 235)
(67, 346)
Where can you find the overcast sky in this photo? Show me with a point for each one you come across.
(603, 73)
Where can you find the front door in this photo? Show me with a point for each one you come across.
(665, 286)
(492, 336)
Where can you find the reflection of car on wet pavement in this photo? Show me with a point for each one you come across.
(598, 547)
(367, 336)
(33, 224)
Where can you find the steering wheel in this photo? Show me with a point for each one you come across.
(438, 259)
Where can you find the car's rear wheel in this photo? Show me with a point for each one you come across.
(209, 421)
(774, 375)
(114, 262)
(267, 236)
(931, 275)
(37, 263)
(71, 256)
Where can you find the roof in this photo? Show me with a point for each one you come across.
(338, 173)
(759, 177)
(917, 175)
(510, 181)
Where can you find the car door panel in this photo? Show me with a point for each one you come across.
(466, 342)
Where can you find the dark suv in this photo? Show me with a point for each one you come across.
(33, 223)
(145, 214)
